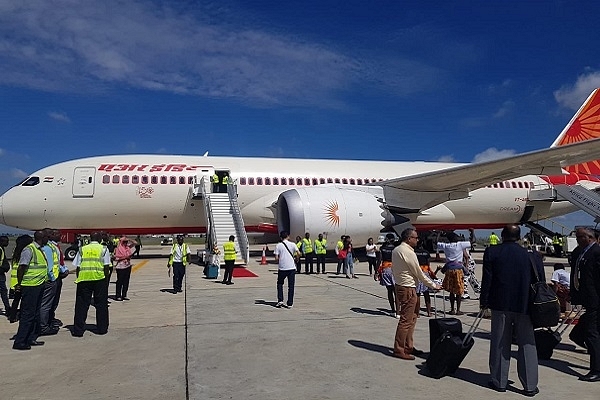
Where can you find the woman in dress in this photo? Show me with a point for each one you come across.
(123, 254)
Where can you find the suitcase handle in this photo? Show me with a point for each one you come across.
(435, 303)
(473, 327)
(560, 329)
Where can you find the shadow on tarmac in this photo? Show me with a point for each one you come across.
(266, 303)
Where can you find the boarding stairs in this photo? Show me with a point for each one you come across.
(224, 218)
(587, 200)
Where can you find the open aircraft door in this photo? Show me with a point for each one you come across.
(83, 181)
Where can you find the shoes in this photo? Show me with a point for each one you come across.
(229, 283)
(15, 347)
(49, 332)
(466, 297)
(531, 393)
(126, 298)
(397, 316)
(459, 313)
(404, 356)
(289, 306)
(37, 343)
(76, 334)
(415, 352)
(451, 312)
(223, 282)
(179, 290)
(279, 304)
(355, 277)
(590, 377)
(492, 386)
(57, 322)
(118, 299)
(348, 276)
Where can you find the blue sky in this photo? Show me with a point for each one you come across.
(391, 80)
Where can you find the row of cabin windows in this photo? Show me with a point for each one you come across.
(183, 180)
(305, 181)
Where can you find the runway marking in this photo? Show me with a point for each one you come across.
(138, 266)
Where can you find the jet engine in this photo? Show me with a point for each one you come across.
(334, 211)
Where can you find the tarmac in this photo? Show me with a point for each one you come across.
(230, 342)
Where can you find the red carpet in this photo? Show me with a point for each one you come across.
(241, 272)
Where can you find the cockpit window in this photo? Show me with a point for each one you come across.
(31, 181)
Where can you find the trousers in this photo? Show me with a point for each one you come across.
(83, 298)
(31, 299)
(408, 300)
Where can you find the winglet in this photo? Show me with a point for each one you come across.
(584, 125)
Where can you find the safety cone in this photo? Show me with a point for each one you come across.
(263, 260)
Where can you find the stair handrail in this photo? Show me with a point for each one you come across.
(211, 240)
(238, 220)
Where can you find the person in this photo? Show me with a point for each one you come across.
(349, 262)
(453, 270)
(308, 253)
(215, 183)
(285, 253)
(31, 275)
(49, 291)
(229, 257)
(123, 254)
(338, 247)
(385, 275)
(585, 291)
(561, 281)
(557, 244)
(138, 246)
(20, 244)
(91, 262)
(63, 272)
(320, 252)
(297, 258)
(180, 255)
(407, 272)
(424, 262)
(107, 242)
(4, 268)
(505, 289)
(493, 240)
(371, 250)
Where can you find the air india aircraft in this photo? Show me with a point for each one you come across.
(146, 194)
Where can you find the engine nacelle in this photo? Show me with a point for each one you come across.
(333, 211)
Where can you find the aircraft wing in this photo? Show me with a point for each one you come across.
(413, 193)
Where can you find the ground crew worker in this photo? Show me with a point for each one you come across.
(92, 262)
(229, 257)
(556, 243)
(4, 268)
(215, 183)
(63, 272)
(20, 244)
(320, 252)
(297, 258)
(180, 255)
(31, 275)
(339, 246)
(308, 251)
(493, 239)
(49, 290)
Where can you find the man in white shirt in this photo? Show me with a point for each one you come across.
(561, 281)
(285, 251)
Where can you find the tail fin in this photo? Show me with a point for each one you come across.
(584, 125)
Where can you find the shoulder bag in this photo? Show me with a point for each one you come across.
(544, 308)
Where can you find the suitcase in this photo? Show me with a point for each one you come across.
(450, 350)
(547, 339)
(577, 334)
(438, 326)
(212, 271)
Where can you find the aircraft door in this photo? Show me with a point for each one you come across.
(83, 181)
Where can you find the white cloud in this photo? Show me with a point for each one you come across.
(506, 108)
(572, 96)
(18, 173)
(492, 154)
(59, 116)
(446, 159)
(79, 46)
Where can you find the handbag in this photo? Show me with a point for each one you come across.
(544, 308)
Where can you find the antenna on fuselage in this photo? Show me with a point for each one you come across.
(205, 154)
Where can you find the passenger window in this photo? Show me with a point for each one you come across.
(173, 180)
(154, 179)
(275, 181)
(514, 184)
(352, 181)
(105, 178)
(329, 180)
(125, 179)
(267, 181)
(520, 185)
(284, 181)
(307, 181)
(250, 181)
(496, 185)
(135, 179)
(259, 181)
(299, 181)
(359, 181)
(322, 181)
(144, 179)
(182, 180)
(315, 181)
(344, 181)
(337, 180)
(115, 179)
(190, 180)
(242, 181)
(163, 180)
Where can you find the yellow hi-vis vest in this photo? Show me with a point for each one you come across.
(307, 243)
(184, 254)
(493, 240)
(14, 266)
(37, 272)
(321, 246)
(228, 251)
(91, 267)
(214, 178)
(55, 260)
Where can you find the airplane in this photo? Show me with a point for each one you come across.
(154, 194)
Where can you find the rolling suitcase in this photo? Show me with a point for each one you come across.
(450, 350)
(438, 326)
(547, 339)
(577, 334)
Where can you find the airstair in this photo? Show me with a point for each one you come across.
(224, 218)
(587, 200)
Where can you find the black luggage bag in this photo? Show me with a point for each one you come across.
(438, 326)
(547, 339)
(450, 350)
(577, 334)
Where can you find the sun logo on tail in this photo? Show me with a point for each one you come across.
(331, 216)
